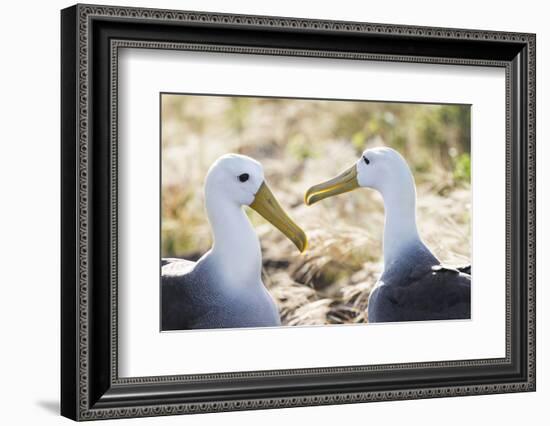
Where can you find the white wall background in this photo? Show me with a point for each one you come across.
(29, 211)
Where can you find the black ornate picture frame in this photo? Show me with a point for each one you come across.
(90, 38)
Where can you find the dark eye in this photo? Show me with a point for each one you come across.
(366, 160)
(244, 177)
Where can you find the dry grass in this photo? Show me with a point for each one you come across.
(301, 143)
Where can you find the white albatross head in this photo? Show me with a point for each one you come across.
(386, 171)
(382, 169)
(235, 178)
(239, 180)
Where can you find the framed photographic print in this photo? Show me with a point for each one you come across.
(263, 212)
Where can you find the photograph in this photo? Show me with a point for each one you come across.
(312, 212)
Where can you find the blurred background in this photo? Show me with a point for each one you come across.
(301, 143)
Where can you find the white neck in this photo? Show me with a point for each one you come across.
(236, 249)
(400, 231)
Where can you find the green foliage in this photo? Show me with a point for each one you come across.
(299, 147)
(359, 140)
(445, 130)
(237, 114)
(180, 223)
(461, 170)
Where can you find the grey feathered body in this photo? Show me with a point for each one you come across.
(193, 297)
(416, 287)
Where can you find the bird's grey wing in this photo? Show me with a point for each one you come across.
(440, 294)
(179, 287)
(193, 299)
(465, 269)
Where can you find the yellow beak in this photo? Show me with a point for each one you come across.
(344, 182)
(267, 205)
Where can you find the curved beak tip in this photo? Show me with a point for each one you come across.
(267, 206)
(344, 182)
(303, 244)
(311, 196)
